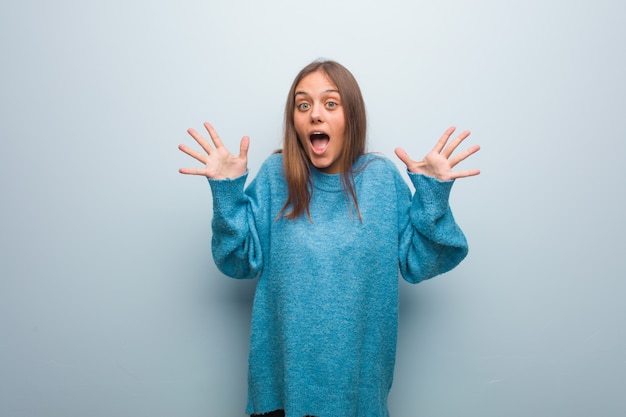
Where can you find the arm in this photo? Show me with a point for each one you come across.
(235, 243)
(432, 241)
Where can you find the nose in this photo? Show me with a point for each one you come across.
(316, 114)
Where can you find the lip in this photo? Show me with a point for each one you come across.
(318, 131)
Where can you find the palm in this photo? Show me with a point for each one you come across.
(218, 162)
(439, 162)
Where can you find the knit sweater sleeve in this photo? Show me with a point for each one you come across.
(235, 244)
(431, 242)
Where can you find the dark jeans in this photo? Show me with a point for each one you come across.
(277, 413)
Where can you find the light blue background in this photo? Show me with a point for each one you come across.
(110, 304)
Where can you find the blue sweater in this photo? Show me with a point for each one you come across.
(325, 315)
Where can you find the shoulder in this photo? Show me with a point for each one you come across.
(270, 174)
(273, 162)
(374, 164)
(272, 166)
(379, 172)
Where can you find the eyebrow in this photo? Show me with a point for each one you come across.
(325, 92)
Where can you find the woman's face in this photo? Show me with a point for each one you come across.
(319, 121)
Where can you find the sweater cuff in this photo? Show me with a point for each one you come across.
(431, 191)
(227, 189)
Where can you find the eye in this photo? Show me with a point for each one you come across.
(303, 106)
(331, 104)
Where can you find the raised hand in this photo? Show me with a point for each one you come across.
(439, 162)
(218, 162)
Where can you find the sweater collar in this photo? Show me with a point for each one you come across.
(324, 181)
(332, 182)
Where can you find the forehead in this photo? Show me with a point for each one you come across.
(316, 82)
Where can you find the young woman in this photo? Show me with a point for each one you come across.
(325, 227)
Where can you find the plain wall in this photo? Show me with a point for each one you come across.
(110, 304)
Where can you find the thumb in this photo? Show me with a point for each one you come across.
(244, 145)
(403, 156)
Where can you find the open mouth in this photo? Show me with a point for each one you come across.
(319, 142)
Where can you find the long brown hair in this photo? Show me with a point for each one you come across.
(296, 163)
